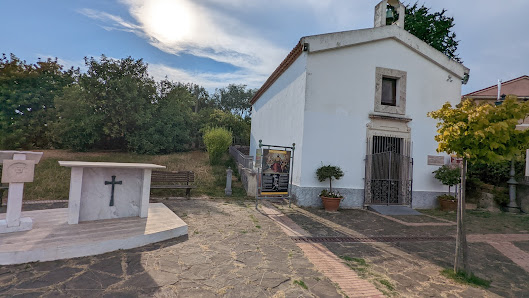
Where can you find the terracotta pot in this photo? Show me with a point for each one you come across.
(331, 204)
(446, 205)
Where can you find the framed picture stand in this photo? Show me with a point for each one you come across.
(274, 172)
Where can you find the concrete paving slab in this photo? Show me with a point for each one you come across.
(393, 210)
(52, 238)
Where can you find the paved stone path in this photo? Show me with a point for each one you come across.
(417, 224)
(232, 251)
(409, 274)
(328, 263)
(504, 244)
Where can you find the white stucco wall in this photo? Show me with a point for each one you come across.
(277, 117)
(340, 95)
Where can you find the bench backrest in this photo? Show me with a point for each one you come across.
(172, 177)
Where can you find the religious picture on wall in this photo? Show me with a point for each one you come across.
(276, 172)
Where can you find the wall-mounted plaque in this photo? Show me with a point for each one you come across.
(436, 160)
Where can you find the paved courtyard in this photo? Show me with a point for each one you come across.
(408, 252)
(234, 250)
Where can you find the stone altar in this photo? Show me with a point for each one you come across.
(18, 168)
(105, 190)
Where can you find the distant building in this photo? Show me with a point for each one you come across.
(358, 99)
(518, 87)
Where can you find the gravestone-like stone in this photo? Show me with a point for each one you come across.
(18, 168)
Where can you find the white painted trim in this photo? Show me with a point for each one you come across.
(330, 41)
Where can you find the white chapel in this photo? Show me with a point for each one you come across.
(358, 99)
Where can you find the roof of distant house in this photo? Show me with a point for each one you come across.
(518, 87)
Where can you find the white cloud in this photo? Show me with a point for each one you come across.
(210, 81)
(184, 26)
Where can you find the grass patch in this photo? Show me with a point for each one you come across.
(460, 277)
(359, 261)
(255, 221)
(358, 265)
(485, 222)
(387, 284)
(362, 268)
(52, 182)
(301, 284)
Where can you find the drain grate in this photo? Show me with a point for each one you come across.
(370, 239)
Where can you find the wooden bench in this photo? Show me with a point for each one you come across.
(166, 179)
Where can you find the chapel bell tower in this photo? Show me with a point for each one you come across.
(389, 12)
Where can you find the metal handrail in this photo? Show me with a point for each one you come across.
(245, 160)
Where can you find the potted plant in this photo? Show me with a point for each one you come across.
(448, 175)
(330, 199)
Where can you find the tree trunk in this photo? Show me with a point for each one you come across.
(330, 184)
(461, 236)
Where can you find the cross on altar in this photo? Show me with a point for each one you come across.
(113, 182)
(89, 190)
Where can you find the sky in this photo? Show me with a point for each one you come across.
(214, 43)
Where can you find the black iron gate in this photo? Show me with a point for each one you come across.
(388, 172)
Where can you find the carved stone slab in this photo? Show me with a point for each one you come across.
(436, 160)
(18, 171)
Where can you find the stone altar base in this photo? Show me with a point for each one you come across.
(52, 238)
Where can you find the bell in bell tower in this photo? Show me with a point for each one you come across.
(389, 12)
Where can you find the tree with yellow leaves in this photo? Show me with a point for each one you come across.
(481, 134)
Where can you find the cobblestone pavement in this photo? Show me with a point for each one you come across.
(324, 260)
(232, 250)
(412, 268)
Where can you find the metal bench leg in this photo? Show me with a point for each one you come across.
(188, 192)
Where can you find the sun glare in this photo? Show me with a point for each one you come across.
(168, 21)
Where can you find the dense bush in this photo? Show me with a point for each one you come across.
(114, 105)
(495, 174)
(217, 141)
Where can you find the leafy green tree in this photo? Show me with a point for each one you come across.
(480, 134)
(434, 28)
(123, 92)
(79, 124)
(234, 99)
(118, 93)
(235, 123)
(26, 96)
(170, 129)
(200, 95)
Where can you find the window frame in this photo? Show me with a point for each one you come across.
(400, 96)
(393, 92)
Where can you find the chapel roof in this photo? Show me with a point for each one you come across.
(518, 86)
(336, 40)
